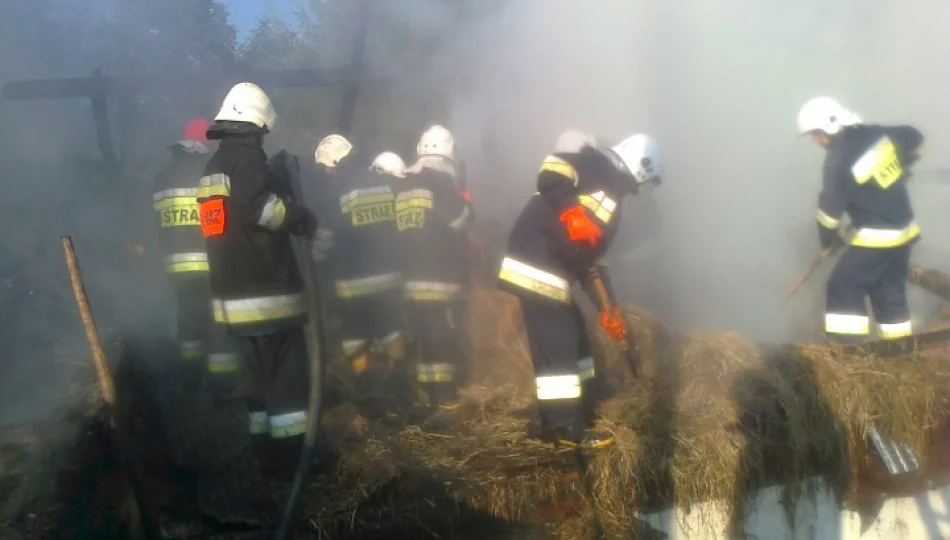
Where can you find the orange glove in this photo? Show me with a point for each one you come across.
(611, 320)
(580, 227)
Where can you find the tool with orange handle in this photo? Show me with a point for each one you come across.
(610, 307)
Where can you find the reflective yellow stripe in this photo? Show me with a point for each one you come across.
(535, 280)
(558, 387)
(435, 373)
(214, 185)
(192, 349)
(350, 346)
(349, 288)
(431, 291)
(895, 330)
(852, 325)
(600, 204)
(174, 193)
(186, 262)
(557, 165)
(362, 197)
(885, 238)
(266, 308)
(222, 362)
(827, 221)
(879, 162)
(288, 424)
(258, 423)
(585, 368)
(273, 213)
(415, 198)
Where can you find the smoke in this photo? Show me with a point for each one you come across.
(719, 85)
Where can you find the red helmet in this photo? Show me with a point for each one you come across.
(195, 130)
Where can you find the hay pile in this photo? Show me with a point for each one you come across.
(716, 418)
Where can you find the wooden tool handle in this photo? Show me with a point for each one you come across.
(104, 377)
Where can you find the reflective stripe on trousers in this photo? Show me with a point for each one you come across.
(556, 387)
(222, 362)
(186, 262)
(258, 423)
(895, 330)
(288, 424)
(260, 309)
(435, 373)
(431, 291)
(192, 349)
(349, 288)
(847, 324)
(535, 280)
(585, 369)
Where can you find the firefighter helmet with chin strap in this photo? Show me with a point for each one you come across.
(389, 163)
(332, 150)
(640, 156)
(826, 115)
(246, 102)
(436, 141)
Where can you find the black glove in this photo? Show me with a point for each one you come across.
(307, 226)
(830, 239)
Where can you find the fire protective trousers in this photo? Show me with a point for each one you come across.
(371, 321)
(880, 274)
(436, 329)
(563, 365)
(204, 345)
(276, 382)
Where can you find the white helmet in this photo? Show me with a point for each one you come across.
(246, 102)
(389, 163)
(572, 141)
(332, 149)
(436, 141)
(826, 115)
(641, 156)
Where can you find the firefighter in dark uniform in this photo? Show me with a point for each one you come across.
(866, 171)
(205, 347)
(367, 277)
(248, 215)
(432, 219)
(565, 228)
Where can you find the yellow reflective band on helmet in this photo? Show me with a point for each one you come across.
(558, 387)
(222, 363)
(214, 185)
(273, 213)
(350, 288)
(186, 262)
(288, 424)
(261, 309)
(827, 221)
(895, 330)
(535, 280)
(600, 204)
(435, 373)
(847, 324)
(885, 238)
(557, 165)
(434, 291)
(258, 423)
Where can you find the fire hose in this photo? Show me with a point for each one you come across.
(317, 349)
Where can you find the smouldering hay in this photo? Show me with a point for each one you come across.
(716, 419)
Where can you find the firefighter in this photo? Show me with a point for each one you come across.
(865, 175)
(248, 215)
(368, 280)
(565, 228)
(432, 219)
(204, 346)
